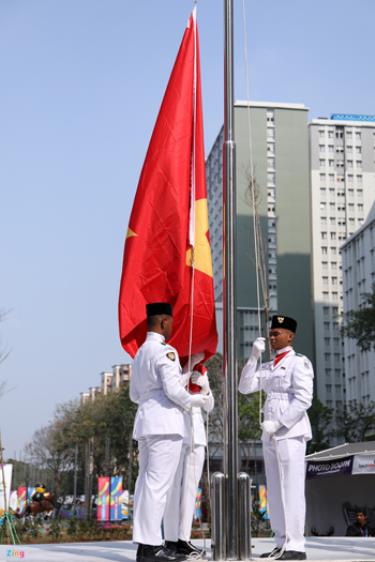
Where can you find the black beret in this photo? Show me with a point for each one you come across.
(280, 321)
(155, 308)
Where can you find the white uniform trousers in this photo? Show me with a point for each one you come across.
(159, 458)
(179, 513)
(284, 461)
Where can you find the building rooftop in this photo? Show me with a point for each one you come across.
(270, 104)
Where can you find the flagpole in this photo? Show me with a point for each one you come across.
(229, 292)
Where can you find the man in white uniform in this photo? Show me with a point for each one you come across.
(288, 383)
(159, 428)
(179, 514)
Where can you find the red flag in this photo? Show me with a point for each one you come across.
(167, 256)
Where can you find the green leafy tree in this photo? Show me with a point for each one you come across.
(320, 419)
(356, 422)
(107, 422)
(360, 324)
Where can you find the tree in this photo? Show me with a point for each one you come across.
(356, 422)
(320, 419)
(360, 324)
(107, 422)
(52, 449)
(3, 353)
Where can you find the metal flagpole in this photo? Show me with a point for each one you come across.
(229, 292)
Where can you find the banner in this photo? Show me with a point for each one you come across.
(5, 484)
(263, 501)
(316, 469)
(115, 504)
(21, 497)
(102, 509)
(364, 464)
(198, 504)
(124, 503)
(30, 491)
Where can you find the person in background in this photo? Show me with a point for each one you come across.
(360, 528)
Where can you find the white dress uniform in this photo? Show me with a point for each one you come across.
(289, 389)
(179, 513)
(160, 427)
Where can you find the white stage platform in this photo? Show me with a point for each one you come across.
(318, 548)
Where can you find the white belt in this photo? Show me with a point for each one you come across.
(157, 393)
(282, 395)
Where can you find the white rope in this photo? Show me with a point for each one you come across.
(252, 189)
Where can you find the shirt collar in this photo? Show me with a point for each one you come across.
(155, 336)
(284, 350)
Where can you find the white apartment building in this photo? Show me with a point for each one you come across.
(358, 262)
(110, 381)
(342, 160)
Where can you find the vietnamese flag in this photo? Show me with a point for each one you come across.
(167, 256)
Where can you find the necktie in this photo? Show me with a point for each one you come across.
(279, 357)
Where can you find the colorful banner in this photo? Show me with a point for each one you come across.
(124, 503)
(21, 497)
(316, 469)
(364, 464)
(115, 504)
(5, 484)
(263, 501)
(198, 504)
(30, 491)
(102, 509)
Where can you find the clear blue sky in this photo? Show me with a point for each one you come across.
(81, 82)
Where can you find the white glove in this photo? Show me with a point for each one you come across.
(270, 426)
(195, 359)
(259, 347)
(202, 381)
(198, 400)
(185, 378)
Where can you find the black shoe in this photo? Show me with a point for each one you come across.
(292, 555)
(171, 545)
(160, 553)
(139, 552)
(186, 548)
(271, 554)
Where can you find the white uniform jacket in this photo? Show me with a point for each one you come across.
(155, 385)
(198, 421)
(289, 389)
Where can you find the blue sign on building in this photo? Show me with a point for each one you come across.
(352, 117)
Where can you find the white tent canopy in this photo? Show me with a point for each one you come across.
(341, 475)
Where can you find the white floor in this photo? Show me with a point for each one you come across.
(324, 548)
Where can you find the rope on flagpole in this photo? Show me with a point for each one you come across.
(259, 266)
(192, 233)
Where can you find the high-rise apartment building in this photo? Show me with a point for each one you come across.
(342, 160)
(277, 152)
(358, 265)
